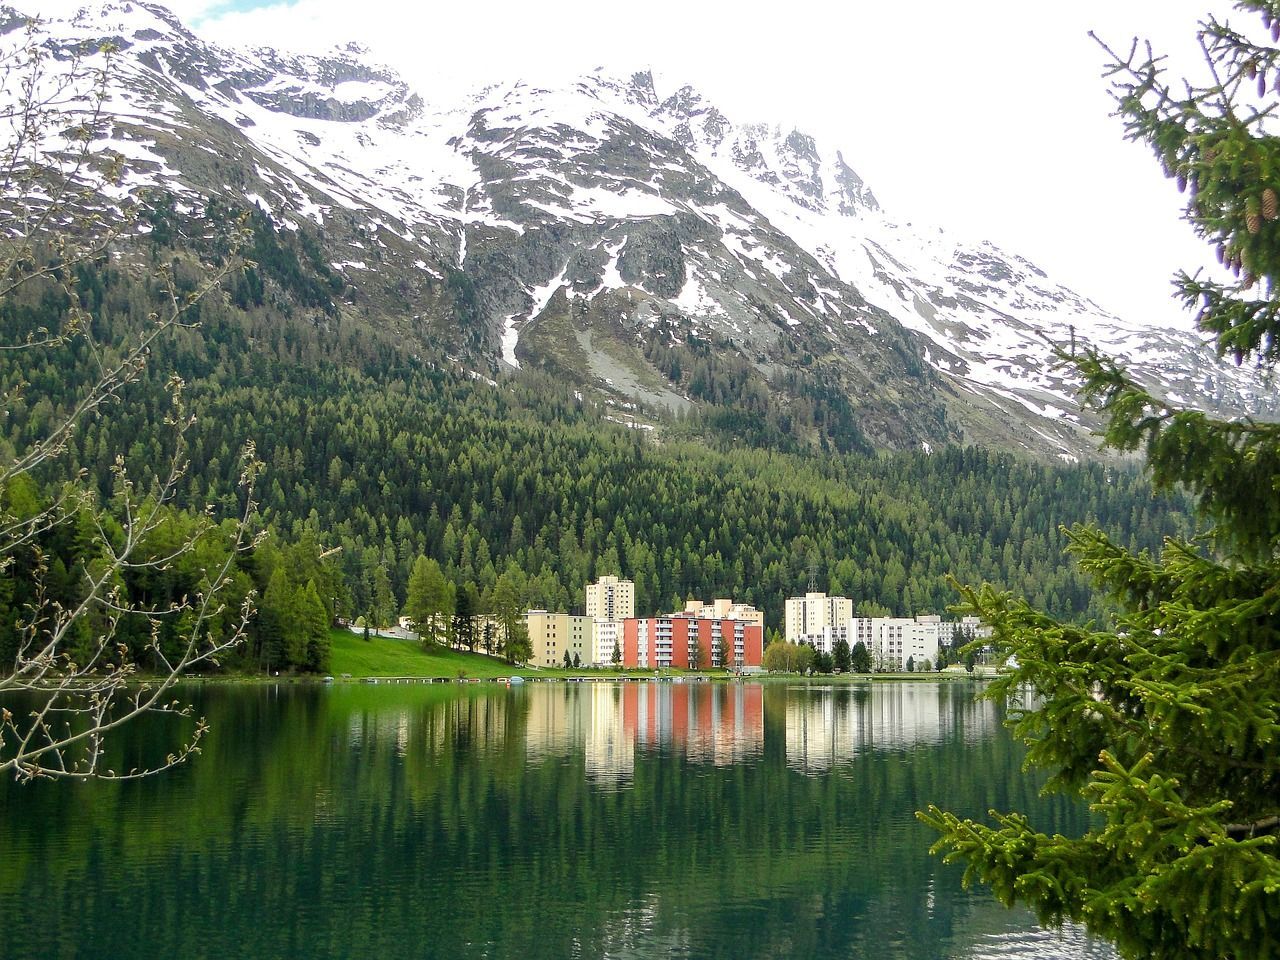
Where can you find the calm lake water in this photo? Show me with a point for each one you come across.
(544, 821)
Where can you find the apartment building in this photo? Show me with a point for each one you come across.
(892, 641)
(724, 609)
(551, 635)
(680, 640)
(611, 599)
(818, 619)
(606, 636)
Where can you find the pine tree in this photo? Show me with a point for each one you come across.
(463, 623)
(1168, 721)
(697, 654)
(429, 602)
(313, 631)
(860, 658)
(842, 656)
(277, 619)
(506, 606)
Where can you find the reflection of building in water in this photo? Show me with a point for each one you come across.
(423, 725)
(708, 722)
(825, 728)
(557, 721)
(822, 730)
(610, 752)
(577, 717)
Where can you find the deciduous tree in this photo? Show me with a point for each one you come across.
(77, 682)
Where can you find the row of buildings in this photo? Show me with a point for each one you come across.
(824, 621)
(723, 633)
(717, 634)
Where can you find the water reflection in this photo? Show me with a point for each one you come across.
(536, 823)
(828, 728)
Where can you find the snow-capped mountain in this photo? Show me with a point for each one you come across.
(605, 231)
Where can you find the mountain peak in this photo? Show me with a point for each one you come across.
(598, 230)
(123, 18)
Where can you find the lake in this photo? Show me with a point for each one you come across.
(546, 820)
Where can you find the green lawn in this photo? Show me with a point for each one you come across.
(388, 657)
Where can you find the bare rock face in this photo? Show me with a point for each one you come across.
(599, 226)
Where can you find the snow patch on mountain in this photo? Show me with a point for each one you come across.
(748, 231)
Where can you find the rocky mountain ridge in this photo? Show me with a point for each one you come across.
(643, 246)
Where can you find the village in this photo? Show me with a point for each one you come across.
(724, 634)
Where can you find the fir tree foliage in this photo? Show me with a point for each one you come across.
(1167, 720)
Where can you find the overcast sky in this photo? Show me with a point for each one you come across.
(989, 118)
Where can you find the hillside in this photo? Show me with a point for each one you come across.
(636, 243)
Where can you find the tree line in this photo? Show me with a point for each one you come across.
(519, 493)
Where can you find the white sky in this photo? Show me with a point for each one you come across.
(989, 118)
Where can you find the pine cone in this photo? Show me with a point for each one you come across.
(1262, 85)
(1275, 29)
(1249, 280)
(1222, 254)
(1270, 204)
(1252, 222)
(1182, 183)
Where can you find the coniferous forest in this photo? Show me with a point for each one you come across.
(377, 452)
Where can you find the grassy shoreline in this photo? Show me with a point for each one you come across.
(354, 659)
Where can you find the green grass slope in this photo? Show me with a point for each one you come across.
(389, 657)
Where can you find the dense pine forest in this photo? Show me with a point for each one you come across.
(379, 451)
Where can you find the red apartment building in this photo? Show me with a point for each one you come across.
(672, 641)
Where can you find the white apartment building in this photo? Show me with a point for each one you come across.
(892, 641)
(605, 636)
(818, 619)
(611, 599)
(973, 627)
(724, 609)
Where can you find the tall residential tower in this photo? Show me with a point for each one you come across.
(611, 599)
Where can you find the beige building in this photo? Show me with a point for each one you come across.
(817, 619)
(552, 634)
(611, 599)
(723, 609)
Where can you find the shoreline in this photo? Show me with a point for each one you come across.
(521, 675)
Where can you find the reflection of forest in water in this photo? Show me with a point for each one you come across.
(556, 820)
